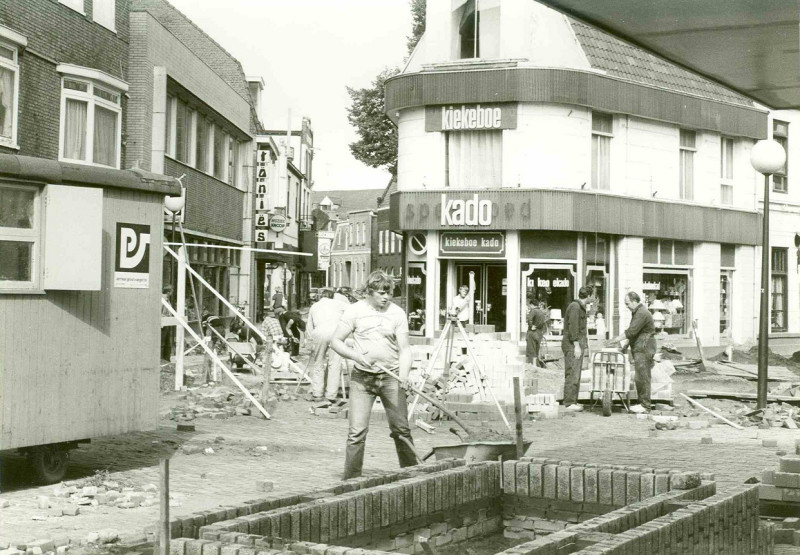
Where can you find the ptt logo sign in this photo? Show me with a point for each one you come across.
(132, 256)
(458, 212)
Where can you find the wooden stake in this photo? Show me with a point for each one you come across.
(711, 412)
(518, 412)
(163, 539)
(699, 346)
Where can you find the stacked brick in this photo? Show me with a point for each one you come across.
(189, 526)
(449, 506)
(783, 484)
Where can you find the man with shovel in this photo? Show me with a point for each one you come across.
(380, 333)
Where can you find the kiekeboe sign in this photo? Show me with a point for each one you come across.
(464, 243)
(471, 117)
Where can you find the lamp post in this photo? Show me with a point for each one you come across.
(174, 205)
(767, 157)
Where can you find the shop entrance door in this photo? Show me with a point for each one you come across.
(490, 292)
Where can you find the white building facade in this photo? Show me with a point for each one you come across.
(542, 155)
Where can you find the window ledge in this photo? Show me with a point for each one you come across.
(14, 146)
(31, 291)
(13, 36)
(85, 163)
(93, 74)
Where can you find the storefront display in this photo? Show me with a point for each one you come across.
(666, 296)
(596, 307)
(415, 283)
(550, 284)
(725, 280)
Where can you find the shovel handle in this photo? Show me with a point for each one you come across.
(428, 398)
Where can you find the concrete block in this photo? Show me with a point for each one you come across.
(633, 487)
(550, 488)
(770, 493)
(563, 482)
(605, 490)
(264, 485)
(786, 480)
(535, 480)
(509, 477)
(706, 440)
(767, 476)
(647, 485)
(790, 463)
(769, 442)
(577, 484)
(522, 484)
(684, 480)
(590, 485)
(619, 489)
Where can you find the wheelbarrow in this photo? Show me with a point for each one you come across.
(611, 374)
(240, 353)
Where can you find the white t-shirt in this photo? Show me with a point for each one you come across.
(462, 305)
(375, 332)
(323, 317)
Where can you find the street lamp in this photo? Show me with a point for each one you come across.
(174, 205)
(767, 157)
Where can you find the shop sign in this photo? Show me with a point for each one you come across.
(277, 223)
(471, 117)
(556, 283)
(261, 236)
(132, 257)
(324, 250)
(414, 280)
(461, 243)
(457, 212)
(651, 286)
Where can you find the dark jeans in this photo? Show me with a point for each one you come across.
(533, 342)
(572, 374)
(167, 340)
(643, 362)
(364, 387)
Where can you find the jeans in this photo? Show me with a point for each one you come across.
(327, 363)
(572, 375)
(533, 342)
(364, 387)
(643, 362)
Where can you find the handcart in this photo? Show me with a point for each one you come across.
(239, 352)
(611, 373)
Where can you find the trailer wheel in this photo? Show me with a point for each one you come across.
(607, 398)
(49, 462)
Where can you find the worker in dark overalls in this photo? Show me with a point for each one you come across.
(640, 336)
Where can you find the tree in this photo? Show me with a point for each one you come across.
(377, 143)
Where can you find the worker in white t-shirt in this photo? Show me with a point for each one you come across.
(462, 306)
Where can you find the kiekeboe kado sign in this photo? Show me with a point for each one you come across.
(471, 117)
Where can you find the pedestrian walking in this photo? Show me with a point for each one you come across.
(326, 370)
(278, 301)
(640, 336)
(537, 322)
(380, 333)
(574, 346)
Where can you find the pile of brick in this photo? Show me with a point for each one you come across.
(787, 531)
(777, 415)
(782, 484)
(216, 403)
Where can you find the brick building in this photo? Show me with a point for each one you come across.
(191, 114)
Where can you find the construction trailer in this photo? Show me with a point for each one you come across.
(80, 305)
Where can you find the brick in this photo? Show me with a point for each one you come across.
(647, 485)
(605, 488)
(786, 480)
(509, 476)
(684, 480)
(577, 484)
(619, 481)
(633, 487)
(522, 477)
(563, 482)
(790, 463)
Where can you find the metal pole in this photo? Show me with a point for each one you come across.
(172, 262)
(763, 324)
(163, 538)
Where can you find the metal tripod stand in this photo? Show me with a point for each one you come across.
(447, 340)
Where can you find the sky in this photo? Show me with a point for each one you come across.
(307, 52)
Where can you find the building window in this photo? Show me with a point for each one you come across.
(602, 131)
(380, 241)
(76, 5)
(221, 151)
(90, 123)
(19, 237)
(9, 94)
(478, 30)
(687, 150)
(780, 298)
(169, 127)
(474, 159)
(726, 171)
(183, 131)
(103, 13)
(667, 253)
(201, 143)
(780, 133)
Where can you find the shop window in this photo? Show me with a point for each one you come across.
(9, 94)
(19, 237)
(474, 159)
(667, 297)
(687, 151)
(478, 30)
(103, 13)
(415, 293)
(671, 253)
(780, 298)
(201, 144)
(597, 282)
(726, 171)
(90, 122)
(725, 296)
(780, 133)
(554, 286)
(602, 132)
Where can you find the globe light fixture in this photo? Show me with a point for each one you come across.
(767, 157)
(174, 205)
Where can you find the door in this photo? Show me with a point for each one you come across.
(490, 292)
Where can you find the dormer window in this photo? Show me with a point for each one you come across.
(478, 29)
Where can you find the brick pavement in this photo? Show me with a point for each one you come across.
(307, 451)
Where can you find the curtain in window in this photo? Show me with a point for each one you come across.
(475, 159)
(6, 102)
(687, 175)
(75, 130)
(105, 137)
(601, 162)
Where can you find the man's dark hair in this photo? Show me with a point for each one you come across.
(326, 294)
(584, 292)
(633, 296)
(379, 281)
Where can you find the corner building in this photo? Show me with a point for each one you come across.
(543, 154)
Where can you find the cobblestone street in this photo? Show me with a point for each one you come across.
(304, 451)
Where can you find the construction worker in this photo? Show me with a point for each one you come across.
(323, 319)
(640, 335)
(380, 333)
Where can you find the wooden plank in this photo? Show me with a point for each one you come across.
(742, 396)
(778, 373)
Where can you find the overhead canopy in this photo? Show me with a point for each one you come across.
(752, 46)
